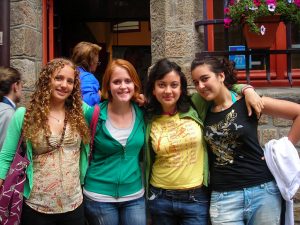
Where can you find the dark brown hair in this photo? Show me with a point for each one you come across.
(219, 66)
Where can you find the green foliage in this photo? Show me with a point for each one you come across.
(248, 11)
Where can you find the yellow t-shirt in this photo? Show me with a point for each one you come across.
(178, 144)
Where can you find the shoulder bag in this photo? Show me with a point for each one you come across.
(11, 191)
(93, 126)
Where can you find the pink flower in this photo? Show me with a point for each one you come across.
(257, 3)
(297, 3)
(226, 10)
(271, 2)
(231, 2)
(227, 22)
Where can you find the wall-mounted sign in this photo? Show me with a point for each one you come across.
(1, 37)
(240, 60)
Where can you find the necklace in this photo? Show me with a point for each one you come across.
(58, 145)
(223, 106)
(58, 120)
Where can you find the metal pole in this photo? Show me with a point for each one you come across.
(4, 33)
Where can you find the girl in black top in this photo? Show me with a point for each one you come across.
(243, 187)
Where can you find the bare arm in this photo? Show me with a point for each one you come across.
(253, 100)
(286, 110)
(1, 182)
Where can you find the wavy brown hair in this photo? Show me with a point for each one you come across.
(36, 117)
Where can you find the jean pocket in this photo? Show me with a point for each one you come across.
(216, 196)
(153, 194)
(200, 197)
(272, 188)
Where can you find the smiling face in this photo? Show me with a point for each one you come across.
(167, 91)
(207, 83)
(62, 83)
(121, 85)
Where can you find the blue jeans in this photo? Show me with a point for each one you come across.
(115, 213)
(174, 207)
(258, 205)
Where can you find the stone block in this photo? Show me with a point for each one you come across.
(179, 43)
(25, 97)
(182, 13)
(24, 41)
(158, 14)
(279, 122)
(268, 134)
(259, 136)
(23, 13)
(39, 46)
(297, 197)
(263, 120)
(27, 68)
(297, 214)
(158, 45)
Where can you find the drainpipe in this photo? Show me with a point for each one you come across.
(4, 32)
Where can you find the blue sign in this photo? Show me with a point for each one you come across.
(240, 60)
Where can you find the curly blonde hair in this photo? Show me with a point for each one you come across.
(36, 116)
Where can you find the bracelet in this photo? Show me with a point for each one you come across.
(245, 88)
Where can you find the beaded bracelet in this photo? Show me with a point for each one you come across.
(245, 88)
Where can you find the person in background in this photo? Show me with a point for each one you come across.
(243, 188)
(113, 189)
(10, 95)
(57, 141)
(86, 57)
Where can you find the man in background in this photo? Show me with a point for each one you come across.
(10, 95)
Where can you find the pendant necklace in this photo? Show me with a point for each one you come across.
(58, 120)
(59, 144)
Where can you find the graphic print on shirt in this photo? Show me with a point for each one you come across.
(175, 142)
(223, 139)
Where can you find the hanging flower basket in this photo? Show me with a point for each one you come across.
(250, 14)
(265, 39)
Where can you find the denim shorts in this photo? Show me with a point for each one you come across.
(189, 207)
(256, 205)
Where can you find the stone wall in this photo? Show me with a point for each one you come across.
(26, 40)
(274, 128)
(173, 33)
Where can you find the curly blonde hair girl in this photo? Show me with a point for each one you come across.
(36, 116)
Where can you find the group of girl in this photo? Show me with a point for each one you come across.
(185, 146)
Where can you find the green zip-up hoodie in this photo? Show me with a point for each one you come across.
(10, 146)
(114, 169)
